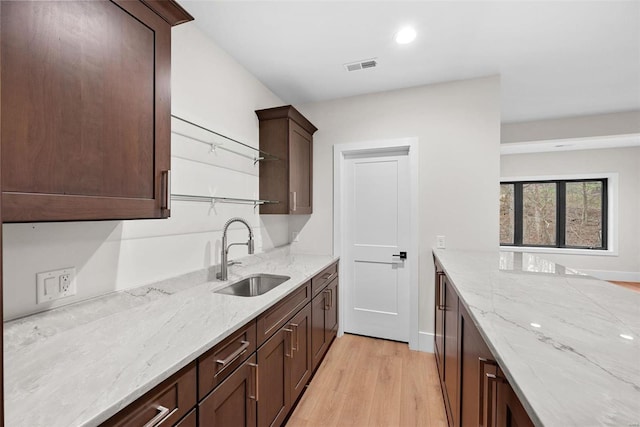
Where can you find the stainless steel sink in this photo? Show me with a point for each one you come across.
(254, 285)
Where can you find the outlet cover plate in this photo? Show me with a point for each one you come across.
(440, 242)
(55, 284)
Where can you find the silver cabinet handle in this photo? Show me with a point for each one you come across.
(328, 276)
(163, 414)
(326, 304)
(290, 342)
(166, 190)
(233, 356)
(255, 381)
(442, 304)
(294, 326)
(294, 196)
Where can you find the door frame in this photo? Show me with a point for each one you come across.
(379, 147)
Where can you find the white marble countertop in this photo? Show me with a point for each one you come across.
(81, 364)
(556, 334)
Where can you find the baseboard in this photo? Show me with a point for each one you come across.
(425, 342)
(619, 276)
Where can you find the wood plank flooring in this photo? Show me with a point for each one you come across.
(634, 286)
(369, 382)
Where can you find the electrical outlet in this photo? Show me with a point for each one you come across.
(55, 284)
(440, 242)
(294, 236)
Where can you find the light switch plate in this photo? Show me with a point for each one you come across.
(55, 284)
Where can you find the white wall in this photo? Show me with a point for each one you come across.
(210, 88)
(619, 123)
(458, 127)
(624, 161)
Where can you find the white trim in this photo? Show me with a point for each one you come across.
(612, 214)
(426, 342)
(619, 276)
(339, 153)
(571, 144)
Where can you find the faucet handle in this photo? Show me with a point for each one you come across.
(230, 263)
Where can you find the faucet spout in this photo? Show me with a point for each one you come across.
(223, 275)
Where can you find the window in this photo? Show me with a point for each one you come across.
(554, 213)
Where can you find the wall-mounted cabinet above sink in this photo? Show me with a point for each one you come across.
(288, 135)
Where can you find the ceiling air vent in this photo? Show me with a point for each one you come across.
(361, 65)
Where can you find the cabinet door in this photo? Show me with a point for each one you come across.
(274, 379)
(332, 311)
(439, 323)
(232, 403)
(300, 170)
(190, 420)
(84, 136)
(301, 349)
(319, 336)
(475, 357)
(509, 409)
(451, 350)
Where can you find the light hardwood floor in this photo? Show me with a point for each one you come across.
(635, 286)
(369, 382)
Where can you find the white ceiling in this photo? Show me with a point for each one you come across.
(556, 58)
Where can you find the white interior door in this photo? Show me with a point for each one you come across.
(377, 226)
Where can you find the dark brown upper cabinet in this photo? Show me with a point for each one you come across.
(86, 109)
(288, 135)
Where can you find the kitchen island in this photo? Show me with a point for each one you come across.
(81, 364)
(567, 343)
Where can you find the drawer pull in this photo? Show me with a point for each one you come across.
(233, 356)
(163, 414)
(328, 276)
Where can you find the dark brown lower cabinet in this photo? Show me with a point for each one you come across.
(474, 356)
(232, 403)
(450, 308)
(285, 369)
(274, 377)
(509, 409)
(475, 391)
(301, 367)
(324, 312)
(438, 344)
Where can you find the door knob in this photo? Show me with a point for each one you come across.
(401, 255)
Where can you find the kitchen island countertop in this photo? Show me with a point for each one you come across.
(568, 343)
(81, 364)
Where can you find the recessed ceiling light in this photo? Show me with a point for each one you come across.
(405, 35)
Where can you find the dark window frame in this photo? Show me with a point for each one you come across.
(561, 212)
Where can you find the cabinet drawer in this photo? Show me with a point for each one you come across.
(216, 364)
(167, 403)
(323, 278)
(275, 317)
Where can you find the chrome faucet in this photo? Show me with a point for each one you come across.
(225, 249)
